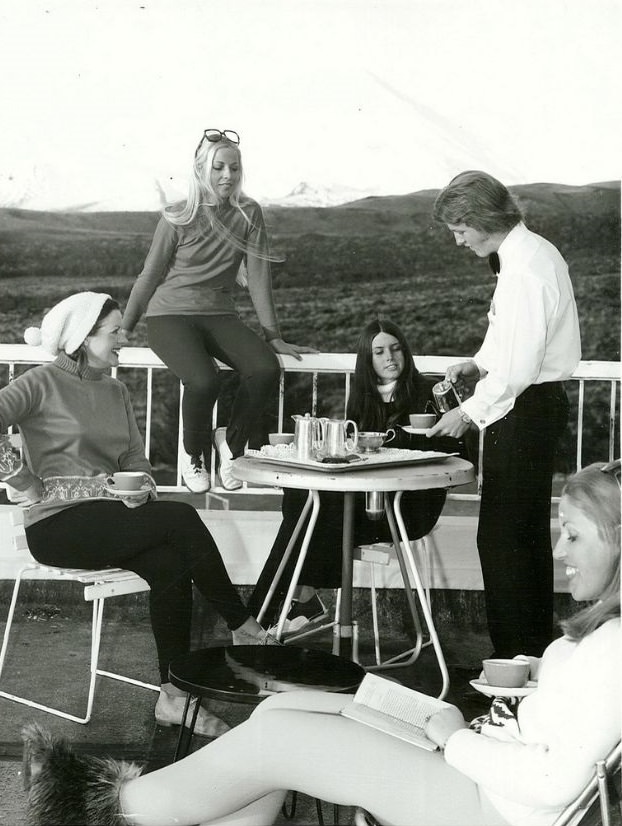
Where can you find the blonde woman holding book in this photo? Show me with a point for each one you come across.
(522, 770)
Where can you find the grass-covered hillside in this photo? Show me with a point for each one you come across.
(342, 266)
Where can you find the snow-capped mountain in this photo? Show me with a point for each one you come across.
(317, 195)
(38, 188)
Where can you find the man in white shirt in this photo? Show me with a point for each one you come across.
(531, 346)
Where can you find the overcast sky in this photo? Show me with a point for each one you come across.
(101, 100)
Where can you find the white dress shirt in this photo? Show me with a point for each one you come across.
(533, 326)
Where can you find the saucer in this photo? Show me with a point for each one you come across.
(502, 691)
(416, 431)
(120, 492)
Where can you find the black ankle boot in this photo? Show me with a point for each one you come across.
(67, 789)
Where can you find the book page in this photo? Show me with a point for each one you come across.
(397, 700)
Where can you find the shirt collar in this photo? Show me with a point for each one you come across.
(510, 243)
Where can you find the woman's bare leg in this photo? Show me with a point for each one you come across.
(261, 812)
(298, 741)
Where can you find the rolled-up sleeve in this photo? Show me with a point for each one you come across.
(153, 273)
(260, 277)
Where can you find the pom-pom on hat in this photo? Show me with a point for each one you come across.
(68, 323)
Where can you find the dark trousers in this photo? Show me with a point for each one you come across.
(322, 567)
(188, 345)
(514, 536)
(165, 543)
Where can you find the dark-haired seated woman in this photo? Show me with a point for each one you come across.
(386, 388)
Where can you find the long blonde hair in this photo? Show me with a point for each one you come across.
(202, 203)
(200, 191)
(597, 495)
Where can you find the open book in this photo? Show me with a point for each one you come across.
(394, 709)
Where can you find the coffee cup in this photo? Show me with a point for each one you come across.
(422, 421)
(369, 440)
(281, 439)
(127, 479)
(506, 673)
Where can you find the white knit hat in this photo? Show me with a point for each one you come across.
(68, 323)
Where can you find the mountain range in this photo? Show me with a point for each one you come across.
(301, 213)
(35, 189)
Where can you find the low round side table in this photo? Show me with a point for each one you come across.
(250, 673)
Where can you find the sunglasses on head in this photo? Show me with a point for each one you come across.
(613, 469)
(216, 135)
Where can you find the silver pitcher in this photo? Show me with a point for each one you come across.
(335, 441)
(307, 436)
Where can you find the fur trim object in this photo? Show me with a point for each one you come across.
(68, 789)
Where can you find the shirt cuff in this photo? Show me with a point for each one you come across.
(470, 409)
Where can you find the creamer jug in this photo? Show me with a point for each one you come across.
(306, 436)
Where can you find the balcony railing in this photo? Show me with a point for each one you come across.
(595, 386)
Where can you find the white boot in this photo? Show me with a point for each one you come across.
(169, 711)
(194, 473)
(228, 480)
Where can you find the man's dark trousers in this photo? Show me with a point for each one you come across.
(514, 535)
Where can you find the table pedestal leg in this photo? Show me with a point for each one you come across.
(342, 632)
(425, 606)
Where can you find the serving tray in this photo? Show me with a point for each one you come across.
(285, 455)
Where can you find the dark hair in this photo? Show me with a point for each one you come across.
(365, 404)
(79, 355)
(478, 200)
(597, 495)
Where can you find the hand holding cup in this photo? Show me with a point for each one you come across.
(422, 421)
(129, 480)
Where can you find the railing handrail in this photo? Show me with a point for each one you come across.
(309, 363)
(316, 364)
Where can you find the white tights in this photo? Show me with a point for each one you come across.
(297, 741)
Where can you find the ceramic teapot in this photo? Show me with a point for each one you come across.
(307, 436)
(335, 442)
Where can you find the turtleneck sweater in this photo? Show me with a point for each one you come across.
(386, 391)
(77, 428)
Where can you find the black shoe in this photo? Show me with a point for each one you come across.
(312, 609)
(302, 614)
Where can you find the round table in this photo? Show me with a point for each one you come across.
(446, 473)
(250, 673)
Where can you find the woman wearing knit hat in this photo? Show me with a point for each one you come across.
(186, 292)
(78, 428)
